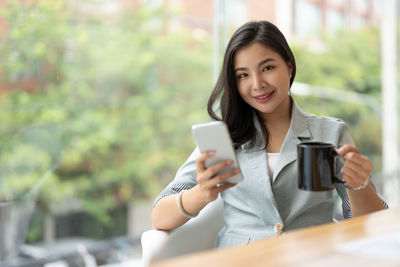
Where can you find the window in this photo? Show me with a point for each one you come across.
(308, 19)
(334, 20)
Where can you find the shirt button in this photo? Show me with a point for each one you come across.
(278, 228)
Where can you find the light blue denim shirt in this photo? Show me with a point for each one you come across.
(257, 208)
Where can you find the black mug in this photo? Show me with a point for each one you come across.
(316, 166)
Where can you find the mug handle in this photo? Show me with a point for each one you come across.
(344, 182)
(335, 154)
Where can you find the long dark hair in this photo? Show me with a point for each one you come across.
(235, 112)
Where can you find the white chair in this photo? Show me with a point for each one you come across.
(197, 234)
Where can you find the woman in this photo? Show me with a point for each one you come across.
(265, 124)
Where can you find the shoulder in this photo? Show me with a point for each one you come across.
(300, 114)
(325, 121)
(329, 129)
(321, 128)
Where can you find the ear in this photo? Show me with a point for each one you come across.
(290, 68)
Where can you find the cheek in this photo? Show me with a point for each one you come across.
(242, 87)
(242, 91)
(286, 84)
(282, 81)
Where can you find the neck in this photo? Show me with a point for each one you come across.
(278, 125)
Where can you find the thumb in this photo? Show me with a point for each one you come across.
(346, 148)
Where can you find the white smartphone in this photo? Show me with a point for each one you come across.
(214, 136)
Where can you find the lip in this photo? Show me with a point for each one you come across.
(264, 97)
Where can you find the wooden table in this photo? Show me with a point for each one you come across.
(314, 246)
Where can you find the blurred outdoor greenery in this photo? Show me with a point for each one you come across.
(108, 104)
(96, 112)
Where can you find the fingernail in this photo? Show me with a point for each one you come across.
(229, 162)
(211, 153)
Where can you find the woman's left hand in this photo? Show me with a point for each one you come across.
(357, 167)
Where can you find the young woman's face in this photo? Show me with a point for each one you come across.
(263, 79)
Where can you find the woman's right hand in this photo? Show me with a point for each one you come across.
(210, 184)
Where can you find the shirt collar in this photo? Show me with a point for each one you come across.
(299, 122)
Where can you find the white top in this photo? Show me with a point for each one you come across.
(272, 159)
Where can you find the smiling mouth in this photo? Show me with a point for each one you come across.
(265, 97)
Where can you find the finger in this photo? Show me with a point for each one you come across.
(203, 179)
(200, 166)
(358, 162)
(351, 181)
(212, 170)
(362, 169)
(347, 148)
(350, 174)
(225, 186)
(355, 171)
(358, 159)
(223, 177)
(354, 175)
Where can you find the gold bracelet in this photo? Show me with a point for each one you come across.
(180, 208)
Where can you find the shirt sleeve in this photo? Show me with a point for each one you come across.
(345, 138)
(346, 208)
(185, 178)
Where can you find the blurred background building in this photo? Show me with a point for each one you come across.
(297, 18)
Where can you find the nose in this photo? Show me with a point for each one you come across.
(258, 82)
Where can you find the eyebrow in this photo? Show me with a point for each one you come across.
(259, 64)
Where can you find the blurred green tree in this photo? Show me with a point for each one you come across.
(115, 98)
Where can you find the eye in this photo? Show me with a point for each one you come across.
(242, 75)
(267, 68)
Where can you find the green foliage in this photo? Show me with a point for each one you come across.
(107, 105)
(350, 60)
